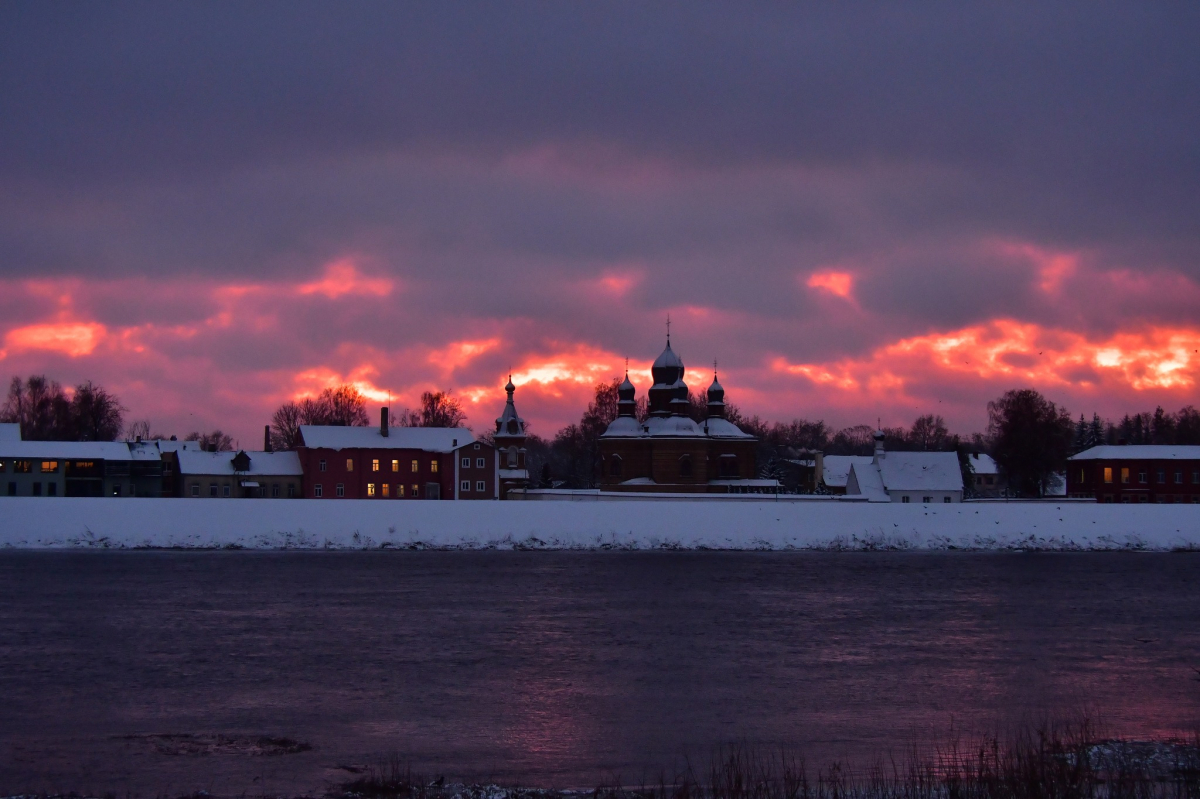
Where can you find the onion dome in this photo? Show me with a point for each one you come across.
(510, 424)
(716, 399)
(668, 388)
(667, 368)
(626, 397)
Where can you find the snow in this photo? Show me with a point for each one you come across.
(1138, 452)
(70, 450)
(428, 439)
(865, 482)
(920, 471)
(42, 523)
(10, 431)
(716, 427)
(982, 463)
(221, 463)
(836, 468)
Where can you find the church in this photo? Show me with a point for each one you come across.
(671, 453)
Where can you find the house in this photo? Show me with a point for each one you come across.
(988, 482)
(925, 477)
(270, 475)
(670, 453)
(168, 451)
(835, 471)
(396, 463)
(79, 469)
(1160, 473)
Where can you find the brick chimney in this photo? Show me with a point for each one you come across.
(267, 439)
(383, 421)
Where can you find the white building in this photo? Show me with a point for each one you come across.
(925, 477)
(835, 470)
(272, 475)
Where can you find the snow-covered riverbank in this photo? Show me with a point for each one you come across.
(40, 523)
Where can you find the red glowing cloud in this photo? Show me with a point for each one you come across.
(840, 284)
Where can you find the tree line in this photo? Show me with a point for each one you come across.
(1029, 436)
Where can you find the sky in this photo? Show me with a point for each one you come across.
(859, 211)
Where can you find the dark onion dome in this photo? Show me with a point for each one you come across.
(716, 399)
(510, 424)
(668, 367)
(668, 388)
(626, 398)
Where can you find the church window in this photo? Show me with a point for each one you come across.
(512, 458)
(729, 466)
(614, 466)
(685, 466)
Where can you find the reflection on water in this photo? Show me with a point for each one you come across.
(565, 668)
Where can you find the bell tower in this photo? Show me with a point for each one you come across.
(510, 445)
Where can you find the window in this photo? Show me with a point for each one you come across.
(12, 489)
(399, 489)
(385, 489)
(51, 489)
(904, 498)
(322, 464)
(926, 500)
(318, 491)
(1108, 474)
(685, 465)
(480, 485)
(614, 466)
(1195, 478)
(1142, 477)
(212, 489)
(375, 465)
(465, 485)
(415, 467)
(117, 490)
(1124, 474)
(395, 466)
(512, 457)
(37, 489)
(49, 466)
(433, 466)
(22, 467)
(728, 466)
(946, 500)
(1162, 476)
(416, 490)
(340, 489)
(291, 490)
(466, 463)
(349, 464)
(275, 490)
(195, 489)
(476, 446)
(480, 463)
(370, 489)
(168, 467)
(225, 491)
(1083, 475)
(1178, 478)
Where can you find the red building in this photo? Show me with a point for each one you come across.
(396, 463)
(1139, 473)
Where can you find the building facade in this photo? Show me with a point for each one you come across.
(79, 469)
(241, 475)
(906, 477)
(401, 463)
(669, 452)
(1156, 473)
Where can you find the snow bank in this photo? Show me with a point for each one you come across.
(37, 523)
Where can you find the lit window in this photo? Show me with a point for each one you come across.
(399, 489)
(340, 489)
(195, 489)
(22, 467)
(415, 467)
(480, 463)
(1124, 474)
(395, 466)
(322, 465)
(318, 491)
(375, 465)
(49, 466)
(370, 489)
(433, 466)
(466, 485)
(386, 489)
(480, 485)
(349, 464)
(1108, 474)
(416, 490)
(466, 463)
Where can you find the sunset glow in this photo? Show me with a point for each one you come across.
(840, 284)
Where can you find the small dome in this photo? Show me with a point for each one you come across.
(716, 392)
(509, 387)
(668, 368)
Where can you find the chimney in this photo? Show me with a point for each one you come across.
(383, 421)
(267, 439)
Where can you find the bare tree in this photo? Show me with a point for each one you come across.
(285, 426)
(438, 409)
(139, 429)
(216, 441)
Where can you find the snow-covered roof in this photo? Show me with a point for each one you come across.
(982, 463)
(1139, 452)
(10, 431)
(169, 445)
(428, 439)
(836, 468)
(865, 478)
(221, 463)
(66, 450)
(920, 471)
(624, 427)
(723, 428)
